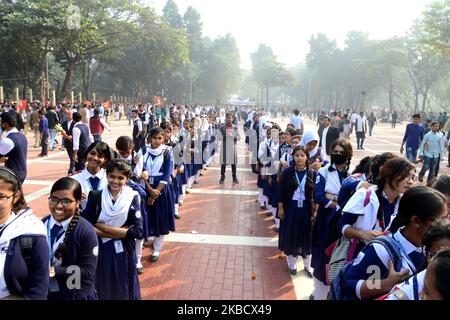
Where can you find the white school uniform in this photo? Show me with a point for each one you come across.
(86, 187)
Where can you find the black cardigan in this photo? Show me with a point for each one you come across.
(288, 185)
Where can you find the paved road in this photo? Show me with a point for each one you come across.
(224, 246)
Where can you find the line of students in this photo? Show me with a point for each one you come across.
(90, 246)
(324, 209)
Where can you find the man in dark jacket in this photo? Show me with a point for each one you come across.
(327, 134)
(230, 136)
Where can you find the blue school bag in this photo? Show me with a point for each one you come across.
(337, 289)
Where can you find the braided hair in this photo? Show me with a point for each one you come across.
(68, 183)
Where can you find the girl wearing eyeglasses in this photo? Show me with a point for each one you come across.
(369, 212)
(435, 240)
(72, 243)
(328, 183)
(24, 253)
(117, 219)
(93, 177)
(390, 260)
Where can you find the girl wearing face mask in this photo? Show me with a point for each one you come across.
(295, 209)
(436, 239)
(328, 183)
(394, 257)
(72, 242)
(155, 168)
(93, 177)
(115, 214)
(125, 151)
(24, 255)
(370, 211)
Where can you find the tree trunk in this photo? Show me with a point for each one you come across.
(391, 96)
(69, 72)
(424, 100)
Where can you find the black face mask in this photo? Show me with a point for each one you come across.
(338, 159)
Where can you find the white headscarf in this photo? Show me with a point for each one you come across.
(307, 138)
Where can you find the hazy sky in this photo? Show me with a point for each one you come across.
(286, 25)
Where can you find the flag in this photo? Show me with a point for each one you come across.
(106, 105)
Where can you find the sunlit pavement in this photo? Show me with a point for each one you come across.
(224, 246)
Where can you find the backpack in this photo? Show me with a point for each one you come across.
(342, 251)
(337, 289)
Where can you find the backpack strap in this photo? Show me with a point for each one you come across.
(415, 288)
(26, 248)
(392, 248)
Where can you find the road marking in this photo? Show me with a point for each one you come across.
(51, 161)
(38, 182)
(222, 239)
(229, 169)
(224, 192)
(38, 194)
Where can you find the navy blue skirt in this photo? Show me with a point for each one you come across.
(275, 192)
(321, 241)
(295, 230)
(161, 214)
(116, 277)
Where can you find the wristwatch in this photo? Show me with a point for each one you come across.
(52, 272)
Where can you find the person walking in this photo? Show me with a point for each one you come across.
(431, 151)
(67, 134)
(53, 120)
(372, 120)
(34, 126)
(360, 130)
(413, 136)
(394, 117)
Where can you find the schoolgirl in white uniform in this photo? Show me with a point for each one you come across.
(295, 209)
(267, 154)
(418, 208)
(125, 151)
(155, 168)
(72, 242)
(24, 255)
(328, 183)
(435, 240)
(93, 177)
(116, 216)
(370, 211)
(317, 155)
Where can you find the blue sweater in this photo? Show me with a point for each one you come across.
(80, 252)
(413, 135)
(18, 278)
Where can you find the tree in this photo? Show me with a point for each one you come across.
(171, 15)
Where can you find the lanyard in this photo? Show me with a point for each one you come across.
(49, 240)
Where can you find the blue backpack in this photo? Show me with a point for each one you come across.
(337, 289)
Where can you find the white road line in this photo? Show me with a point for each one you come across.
(38, 194)
(222, 239)
(224, 192)
(38, 182)
(229, 169)
(51, 161)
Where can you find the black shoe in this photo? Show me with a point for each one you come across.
(361, 148)
(235, 180)
(263, 207)
(311, 297)
(177, 216)
(293, 271)
(222, 180)
(195, 182)
(140, 270)
(278, 231)
(154, 258)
